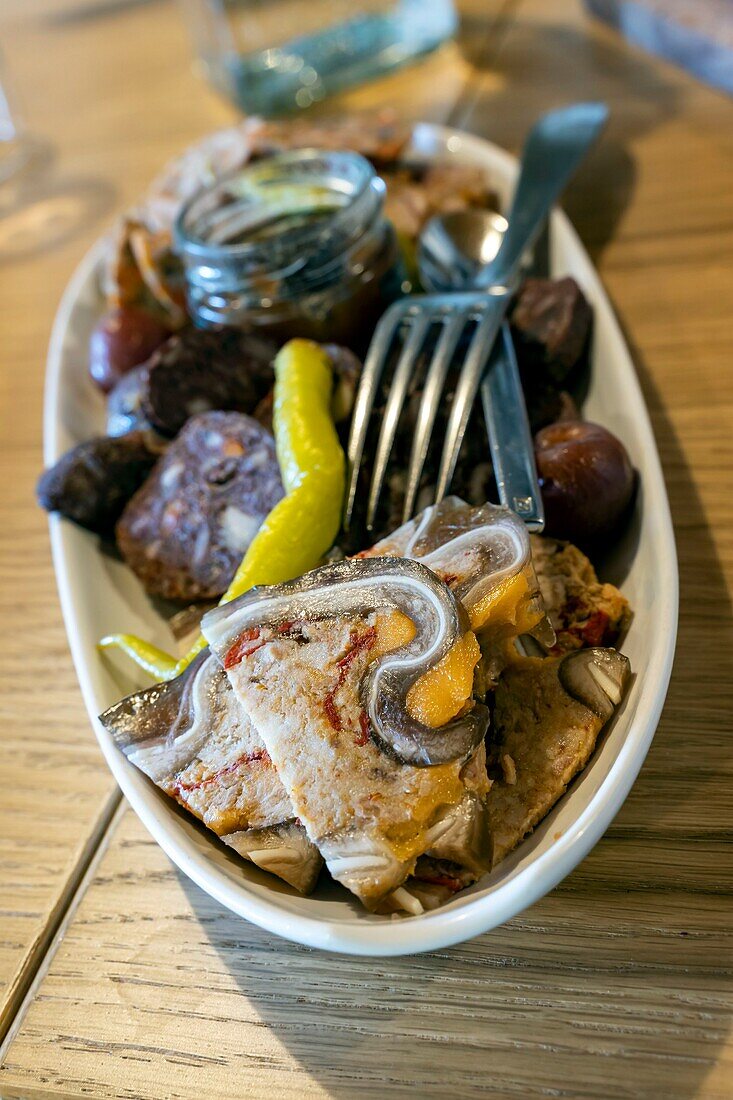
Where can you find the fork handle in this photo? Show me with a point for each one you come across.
(556, 145)
(510, 439)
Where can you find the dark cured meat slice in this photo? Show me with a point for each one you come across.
(125, 403)
(186, 530)
(200, 370)
(551, 322)
(548, 405)
(93, 482)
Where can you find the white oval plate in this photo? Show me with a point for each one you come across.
(99, 595)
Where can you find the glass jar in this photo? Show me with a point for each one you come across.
(294, 245)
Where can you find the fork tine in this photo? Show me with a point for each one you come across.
(463, 400)
(366, 393)
(435, 377)
(397, 393)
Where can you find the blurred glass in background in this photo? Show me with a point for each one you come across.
(40, 207)
(277, 56)
(16, 147)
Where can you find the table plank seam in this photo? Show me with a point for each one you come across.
(37, 960)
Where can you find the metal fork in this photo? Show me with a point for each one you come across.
(555, 147)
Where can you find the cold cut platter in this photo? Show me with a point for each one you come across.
(363, 756)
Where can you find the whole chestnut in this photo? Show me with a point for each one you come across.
(586, 478)
(123, 339)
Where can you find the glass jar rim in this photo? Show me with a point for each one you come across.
(344, 173)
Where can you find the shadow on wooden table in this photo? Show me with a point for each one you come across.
(536, 66)
(693, 743)
(617, 983)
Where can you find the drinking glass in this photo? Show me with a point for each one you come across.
(16, 146)
(276, 56)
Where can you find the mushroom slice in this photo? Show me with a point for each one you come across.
(283, 850)
(597, 678)
(353, 588)
(546, 733)
(460, 835)
(192, 738)
(363, 864)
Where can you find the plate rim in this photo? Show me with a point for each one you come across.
(443, 927)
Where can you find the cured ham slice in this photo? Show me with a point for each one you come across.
(191, 737)
(547, 717)
(324, 666)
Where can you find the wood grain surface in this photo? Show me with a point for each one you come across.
(618, 984)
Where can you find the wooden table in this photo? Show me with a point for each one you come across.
(118, 976)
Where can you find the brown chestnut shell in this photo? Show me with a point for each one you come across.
(586, 478)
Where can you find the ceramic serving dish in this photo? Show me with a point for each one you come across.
(99, 595)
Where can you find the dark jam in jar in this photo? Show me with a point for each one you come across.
(296, 245)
